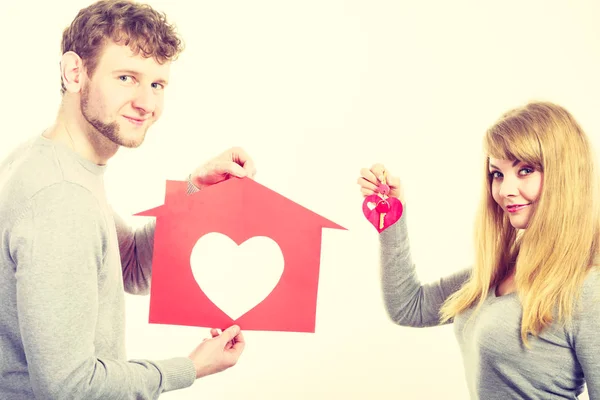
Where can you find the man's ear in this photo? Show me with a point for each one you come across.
(72, 71)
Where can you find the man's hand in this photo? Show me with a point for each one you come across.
(218, 353)
(233, 162)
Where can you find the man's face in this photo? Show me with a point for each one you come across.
(125, 95)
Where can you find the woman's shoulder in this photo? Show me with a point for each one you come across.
(588, 305)
(582, 331)
(591, 284)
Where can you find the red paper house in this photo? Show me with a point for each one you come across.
(240, 209)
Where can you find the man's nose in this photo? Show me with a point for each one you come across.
(144, 100)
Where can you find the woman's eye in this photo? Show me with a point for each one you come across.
(526, 171)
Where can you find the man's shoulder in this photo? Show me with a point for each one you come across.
(31, 168)
(28, 169)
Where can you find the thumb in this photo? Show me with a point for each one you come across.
(232, 168)
(229, 333)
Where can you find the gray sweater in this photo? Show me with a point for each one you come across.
(497, 365)
(65, 265)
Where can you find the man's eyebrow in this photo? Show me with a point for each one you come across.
(132, 72)
(126, 71)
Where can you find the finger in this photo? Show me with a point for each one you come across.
(250, 168)
(231, 168)
(230, 333)
(366, 174)
(365, 184)
(393, 182)
(247, 163)
(377, 170)
(239, 156)
(214, 332)
(239, 343)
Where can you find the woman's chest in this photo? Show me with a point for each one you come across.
(491, 338)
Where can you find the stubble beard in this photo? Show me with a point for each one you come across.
(110, 130)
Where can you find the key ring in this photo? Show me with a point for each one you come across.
(383, 188)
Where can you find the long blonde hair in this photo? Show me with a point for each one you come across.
(553, 255)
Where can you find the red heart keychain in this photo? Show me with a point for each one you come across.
(380, 210)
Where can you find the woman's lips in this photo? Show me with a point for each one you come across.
(516, 208)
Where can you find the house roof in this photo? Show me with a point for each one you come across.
(254, 196)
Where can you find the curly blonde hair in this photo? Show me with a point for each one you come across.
(136, 25)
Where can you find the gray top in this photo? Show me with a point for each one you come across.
(497, 364)
(65, 265)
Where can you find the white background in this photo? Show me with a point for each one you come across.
(314, 91)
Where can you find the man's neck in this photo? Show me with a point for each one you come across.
(72, 130)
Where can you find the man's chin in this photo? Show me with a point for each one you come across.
(131, 141)
(131, 144)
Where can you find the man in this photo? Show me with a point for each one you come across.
(66, 258)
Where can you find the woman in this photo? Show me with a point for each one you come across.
(527, 314)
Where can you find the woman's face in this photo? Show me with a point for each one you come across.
(516, 186)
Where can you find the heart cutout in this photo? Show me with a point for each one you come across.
(236, 278)
(390, 217)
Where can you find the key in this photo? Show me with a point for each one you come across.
(382, 208)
